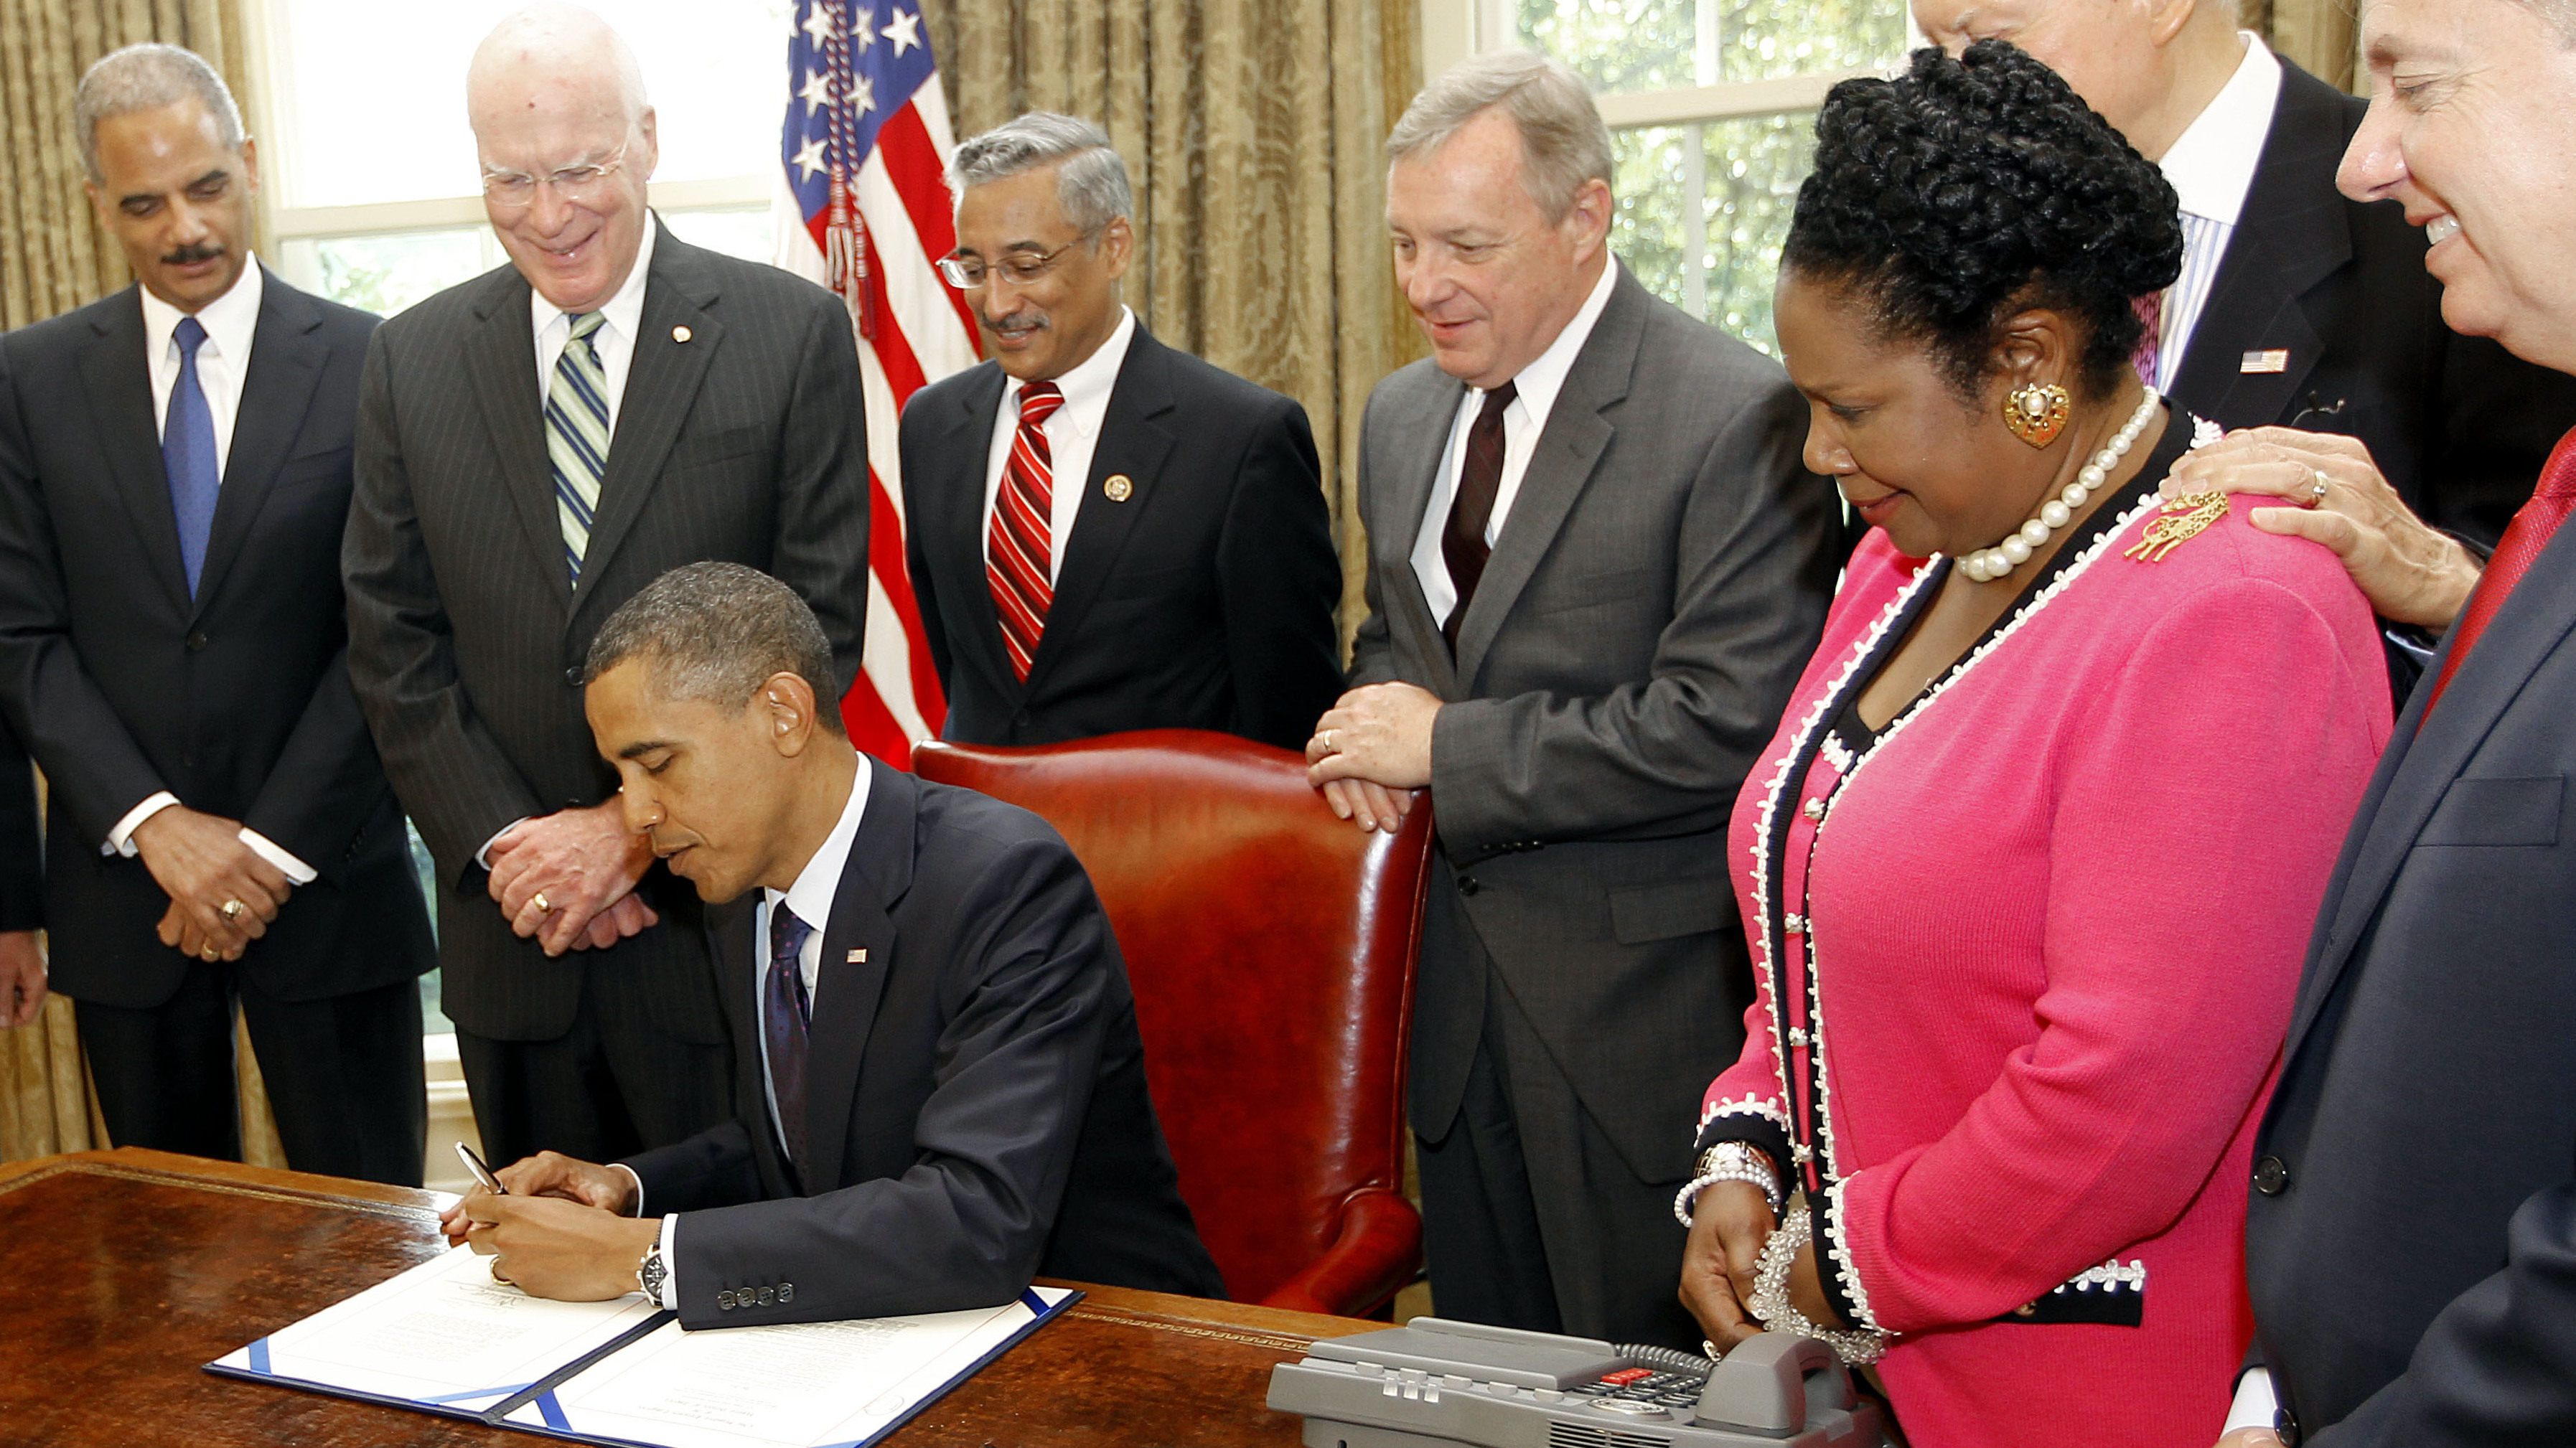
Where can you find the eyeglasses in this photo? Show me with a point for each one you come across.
(580, 185)
(966, 273)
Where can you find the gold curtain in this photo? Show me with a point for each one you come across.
(1255, 133)
(2323, 36)
(54, 257)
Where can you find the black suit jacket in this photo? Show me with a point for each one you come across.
(975, 1096)
(2411, 1240)
(2458, 425)
(744, 442)
(238, 700)
(1204, 600)
(22, 847)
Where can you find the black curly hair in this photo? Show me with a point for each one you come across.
(1974, 188)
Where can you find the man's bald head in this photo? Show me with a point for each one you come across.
(567, 142)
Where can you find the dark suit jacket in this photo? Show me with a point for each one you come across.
(746, 443)
(22, 845)
(1203, 601)
(2411, 1241)
(975, 1097)
(238, 700)
(1656, 589)
(2459, 426)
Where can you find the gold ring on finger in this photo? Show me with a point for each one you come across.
(540, 902)
(1332, 741)
(496, 1274)
(233, 909)
(208, 950)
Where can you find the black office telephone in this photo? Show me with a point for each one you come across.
(1434, 1382)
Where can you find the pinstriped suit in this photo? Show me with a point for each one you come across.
(745, 442)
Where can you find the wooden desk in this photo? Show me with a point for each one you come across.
(127, 1270)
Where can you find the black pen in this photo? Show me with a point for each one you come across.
(482, 1173)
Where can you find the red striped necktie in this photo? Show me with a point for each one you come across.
(2528, 533)
(1020, 547)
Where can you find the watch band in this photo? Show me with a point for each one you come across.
(652, 1275)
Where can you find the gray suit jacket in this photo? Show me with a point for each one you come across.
(1658, 585)
(745, 442)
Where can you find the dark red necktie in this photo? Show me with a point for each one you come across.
(1480, 478)
(1019, 550)
(2528, 533)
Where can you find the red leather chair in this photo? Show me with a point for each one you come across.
(1271, 947)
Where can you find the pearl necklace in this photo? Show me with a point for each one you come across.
(1984, 565)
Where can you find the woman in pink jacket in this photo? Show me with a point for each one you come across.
(2031, 865)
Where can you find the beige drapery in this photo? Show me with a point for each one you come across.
(1255, 133)
(2321, 35)
(54, 257)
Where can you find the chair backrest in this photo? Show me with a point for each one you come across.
(1271, 947)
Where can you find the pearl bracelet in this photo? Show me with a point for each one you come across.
(1729, 1161)
(1770, 1304)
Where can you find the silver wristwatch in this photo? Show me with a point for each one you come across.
(652, 1274)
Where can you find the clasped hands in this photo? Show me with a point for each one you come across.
(222, 894)
(567, 879)
(562, 1232)
(1730, 1224)
(1369, 748)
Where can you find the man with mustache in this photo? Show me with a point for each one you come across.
(174, 479)
(534, 446)
(1106, 533)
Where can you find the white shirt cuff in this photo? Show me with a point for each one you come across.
(267, 849)
(120, 840)
(483, 856)
(2255, 1403)
(670, 1297)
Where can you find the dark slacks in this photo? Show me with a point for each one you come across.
(343, 1074)
(1531, 1218)
(610, 1086)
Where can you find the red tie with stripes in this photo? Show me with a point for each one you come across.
(1020, 547)
(2524, 537)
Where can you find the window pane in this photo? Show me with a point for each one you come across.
(385, 272)
(374, 99)
(1642, 45)
(1703, 209)
(745, 232)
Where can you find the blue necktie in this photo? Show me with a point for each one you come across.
(188, 454)
(784, 1014)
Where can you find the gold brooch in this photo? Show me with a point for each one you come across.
(2183, 519)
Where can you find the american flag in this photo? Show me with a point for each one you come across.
(864, 210)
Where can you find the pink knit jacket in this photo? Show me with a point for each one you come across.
(2023, 969)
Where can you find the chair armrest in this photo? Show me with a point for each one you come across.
(1375, 1253)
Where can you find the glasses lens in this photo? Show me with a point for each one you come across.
(959, 274)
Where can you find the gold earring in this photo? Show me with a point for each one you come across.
(2036, 412)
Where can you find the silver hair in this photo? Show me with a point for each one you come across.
(715, 632)
(1563, 140)
(146, 78)
(1091, 185)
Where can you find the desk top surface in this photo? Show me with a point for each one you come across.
(128, 1270)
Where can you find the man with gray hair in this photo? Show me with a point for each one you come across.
(174, 480)
(941, 1092)
(534, 446)
(1595, 571)
(1106, 533)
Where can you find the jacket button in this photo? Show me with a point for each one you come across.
(196, 641)
(1468, 885)
(724, 1302)
(786, 1293)
(572, 676)
(1020, 720)
(2286, 1423)
(768, 1296)
(2271, 1176)
(1813, 809)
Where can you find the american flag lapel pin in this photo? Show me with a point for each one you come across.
(858, 957)
(2275, 360)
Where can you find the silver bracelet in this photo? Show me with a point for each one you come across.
(1770, 1304)
(1729, 1161)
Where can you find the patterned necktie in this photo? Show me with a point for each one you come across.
(577, 434)
(188, 454)
(1480, 479)
(1019, 549)
(2524, 537)
(2151, 311)
(785, 1012)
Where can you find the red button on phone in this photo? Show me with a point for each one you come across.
(1625, 1376)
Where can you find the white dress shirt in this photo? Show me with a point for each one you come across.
(811, 898)
(223, 360)
(1072, 434)
(2211, 167)
(1534, 397)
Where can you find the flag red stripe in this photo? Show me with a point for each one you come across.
(920, 177)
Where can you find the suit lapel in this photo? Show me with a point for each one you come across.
(1130, 443)
(2296, 234)
(858, 947)
(1413, 459)
(285, 366)
(661, 383)
(1569, 446)
(501, 356)
(118, 381)
(2426, 755)
(957, 544)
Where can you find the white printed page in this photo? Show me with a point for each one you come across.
(811, 1385)
(443, 1334)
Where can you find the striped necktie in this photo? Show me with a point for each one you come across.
(577, 434)
(1019, 550)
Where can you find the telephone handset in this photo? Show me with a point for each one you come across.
(1434, 1382)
